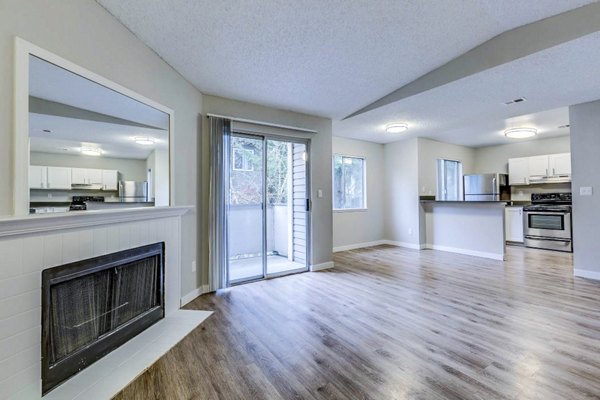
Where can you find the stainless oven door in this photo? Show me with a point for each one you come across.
(550, 224)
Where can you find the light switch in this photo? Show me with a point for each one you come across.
(319, 193)
(585, 191)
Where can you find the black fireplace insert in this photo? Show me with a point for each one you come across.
(91, 307)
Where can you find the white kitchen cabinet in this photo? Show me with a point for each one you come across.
(518, 171)
(38, 177)
(513, 224)
(560, 164)
(110, 179)
(78, 176)
(59, 178)
(538, 166)
(86, 176)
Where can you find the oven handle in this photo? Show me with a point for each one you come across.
(547, 238)
(548, 212)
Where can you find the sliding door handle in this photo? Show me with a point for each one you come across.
(308, 205)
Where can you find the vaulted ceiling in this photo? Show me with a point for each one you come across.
(332, 58)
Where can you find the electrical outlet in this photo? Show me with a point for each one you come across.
(585, 191)
(193, 266)
(410, 231)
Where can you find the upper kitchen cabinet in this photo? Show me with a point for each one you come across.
(560, 164)
(86, 176)
(38, 177)
(110, 179)
(518, 171)
(538, 166)
(552, 168)
(41, 177)
(59, 178)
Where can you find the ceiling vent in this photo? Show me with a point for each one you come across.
(519, 100)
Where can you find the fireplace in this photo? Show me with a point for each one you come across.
(91, 307)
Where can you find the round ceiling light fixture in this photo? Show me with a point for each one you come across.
(520, 133)
(396, 127)
(91, 151)
(145, 140)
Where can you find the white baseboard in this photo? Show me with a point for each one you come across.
(193, 294)
(359, 245)
(584, 273)
(493, 256)
(414, 246)
(322, 266)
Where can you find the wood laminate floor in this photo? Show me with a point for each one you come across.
(393, 323)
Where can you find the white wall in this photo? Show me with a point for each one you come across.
(355, 227)
(495, 158)
(585, 143)
(401, 193)
(85, 33)
(131, 170)
(430, 151)
(320, 164)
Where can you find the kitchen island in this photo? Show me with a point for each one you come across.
(467, 227)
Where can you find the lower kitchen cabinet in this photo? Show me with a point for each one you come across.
(513, 224)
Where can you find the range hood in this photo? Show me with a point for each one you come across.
(86, 186)
(550, 179)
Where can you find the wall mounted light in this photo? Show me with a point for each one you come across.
(520, 133)
(396, 127)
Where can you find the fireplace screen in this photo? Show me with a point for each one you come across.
(93, 306)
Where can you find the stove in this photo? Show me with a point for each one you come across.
(79, 203)
(547, 222)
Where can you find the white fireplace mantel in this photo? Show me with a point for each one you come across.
(21, 225)
(29, 244)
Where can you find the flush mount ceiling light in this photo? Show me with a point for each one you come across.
(396, 127)
(91, 151)
(145, 140)
(520, 133)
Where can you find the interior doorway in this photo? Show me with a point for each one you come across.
(268, 210)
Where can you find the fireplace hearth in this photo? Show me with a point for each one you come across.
(91, 307)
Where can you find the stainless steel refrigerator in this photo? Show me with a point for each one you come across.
(486, 187)
(133, 191)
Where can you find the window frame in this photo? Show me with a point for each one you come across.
(364, 185)
(440, 183)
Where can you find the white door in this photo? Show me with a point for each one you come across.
(110, 179)
(518, 171)
(513, 224)
(560, 164)
(38, 177)
(59, 178)
(538, 166)
(78, 176)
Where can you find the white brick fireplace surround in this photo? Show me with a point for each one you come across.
(32, 243)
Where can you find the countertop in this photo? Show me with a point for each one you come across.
(508, 203)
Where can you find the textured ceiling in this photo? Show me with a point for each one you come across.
(325, 58)
(471, 111)
(68, 135)
(332, 58)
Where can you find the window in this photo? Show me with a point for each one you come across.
(449, 180)
(241, 160)
(349, 183)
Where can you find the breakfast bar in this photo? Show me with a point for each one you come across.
(467, 227)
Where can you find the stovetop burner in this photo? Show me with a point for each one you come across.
(559, 202)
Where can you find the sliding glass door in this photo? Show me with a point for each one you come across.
(268, 210)
(245, 215)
